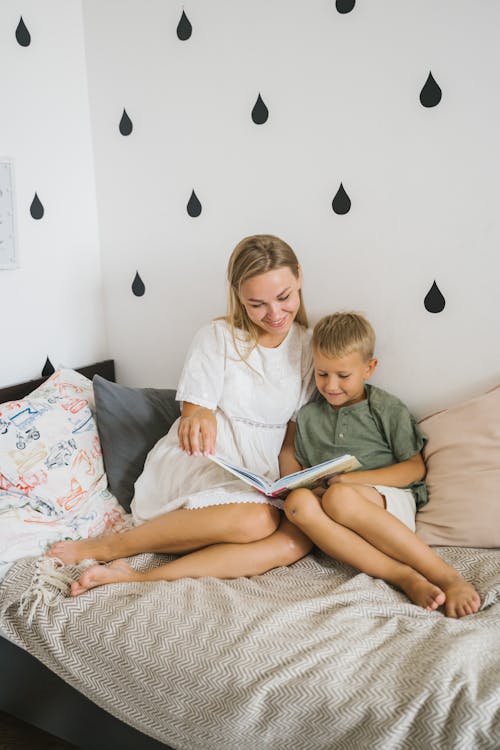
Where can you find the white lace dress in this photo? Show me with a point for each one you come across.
(253, 402)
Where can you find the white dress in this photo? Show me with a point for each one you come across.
(253, 402)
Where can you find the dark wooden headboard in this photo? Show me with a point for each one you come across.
(20, 390)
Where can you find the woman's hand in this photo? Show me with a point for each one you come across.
(197, 430)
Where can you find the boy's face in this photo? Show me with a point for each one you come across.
(341, 380)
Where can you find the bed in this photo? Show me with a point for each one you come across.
(315, 656)
(34, 693)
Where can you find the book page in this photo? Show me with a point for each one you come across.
(310, 477)
(245, 475)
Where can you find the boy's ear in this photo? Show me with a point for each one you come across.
(370, 367)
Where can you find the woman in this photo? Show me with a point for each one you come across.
(244, 379)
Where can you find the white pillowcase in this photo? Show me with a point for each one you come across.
(52, 480)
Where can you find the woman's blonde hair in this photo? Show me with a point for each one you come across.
(253, 256)
(343, 333)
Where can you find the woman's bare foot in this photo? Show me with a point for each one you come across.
(461, 598)
(117, 571)
(421, 591)
(73, 552)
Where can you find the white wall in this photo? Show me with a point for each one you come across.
(51, 305)
(343, 95)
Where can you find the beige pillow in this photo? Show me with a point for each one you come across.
(462, 456)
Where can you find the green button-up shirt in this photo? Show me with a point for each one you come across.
(379, 431)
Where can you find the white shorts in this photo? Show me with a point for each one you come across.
(400, 503)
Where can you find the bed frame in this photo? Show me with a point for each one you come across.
(34, 694)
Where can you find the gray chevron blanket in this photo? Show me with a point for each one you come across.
(311, 657)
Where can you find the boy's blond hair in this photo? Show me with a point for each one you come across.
(342, 333)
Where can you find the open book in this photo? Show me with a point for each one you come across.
(310, 478)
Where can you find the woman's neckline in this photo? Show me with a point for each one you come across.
(277, 346)
(258, 344)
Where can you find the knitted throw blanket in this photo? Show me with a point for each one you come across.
(311, 657)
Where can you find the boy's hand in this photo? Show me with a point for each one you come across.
(341, 479)
(399, 474)
(345, 478)
(319, 491)
(287, 460)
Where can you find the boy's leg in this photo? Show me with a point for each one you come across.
(391, 536)
(304, 509)
(176, 532)
(284, 547)
(402, 559)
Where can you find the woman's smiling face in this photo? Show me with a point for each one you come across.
(272, 301)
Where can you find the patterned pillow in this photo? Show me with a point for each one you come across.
(52, 479)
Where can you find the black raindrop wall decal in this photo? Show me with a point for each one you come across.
(341, 203)
(138, 287)
(48, 368)
(22, 34)
(260, 112)
(125, 124)
(194, 206)
(36, 209)
(345, 6)
(434, 301)
(184, 28)
(431, 93)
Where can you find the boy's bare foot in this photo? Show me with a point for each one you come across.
(73, 552)
(421, 591)
(461, 598)
(117, 571)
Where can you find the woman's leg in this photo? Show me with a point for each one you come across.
(351, 525)
(176, 533)
(283, 547)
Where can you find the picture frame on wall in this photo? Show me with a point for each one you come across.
(8, 239)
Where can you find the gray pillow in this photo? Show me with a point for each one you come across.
(130, 421)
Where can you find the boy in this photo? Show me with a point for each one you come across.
(366, 518)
